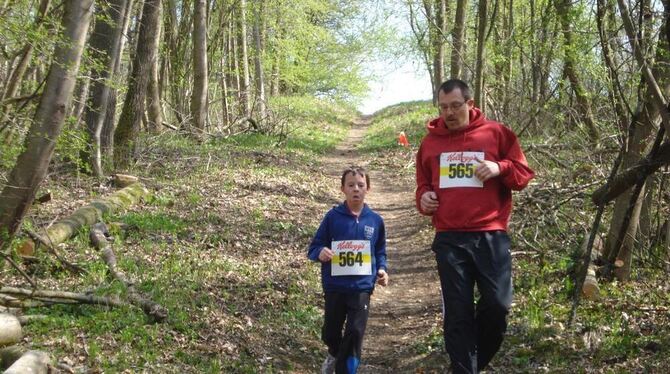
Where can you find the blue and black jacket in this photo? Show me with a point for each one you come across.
(341, 224)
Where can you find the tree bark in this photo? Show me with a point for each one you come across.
(258, 63)
(571, 63)
(656, 94)
(245, 97)
(109, 122)
(200, 82)
(637, 145)
(127, 131)
(32, 164)
(481, 54)
(154, 107)
(630, 177)
(105, 47)
(458, 37)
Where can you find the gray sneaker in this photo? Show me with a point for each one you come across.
(328, 366)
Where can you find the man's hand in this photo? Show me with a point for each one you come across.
(382, 277)
(486, 170)
(326, 254)
(429, 202)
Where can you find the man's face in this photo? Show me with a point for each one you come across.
(454, 109)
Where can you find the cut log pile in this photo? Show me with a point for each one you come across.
(13, 358)
(17, 359)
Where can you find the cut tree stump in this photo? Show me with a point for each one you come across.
(36, 362)
(124, 180)
(87, 215)
(10, 329)
(590, 288)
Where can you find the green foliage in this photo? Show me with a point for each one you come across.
(70, 145)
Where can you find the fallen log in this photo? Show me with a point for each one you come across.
(36, 362)
(629, 177)
(62, 297)
(10, 329)
(92, 213)
(99, 234)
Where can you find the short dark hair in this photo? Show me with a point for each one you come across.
(453, 84)
(356, 170)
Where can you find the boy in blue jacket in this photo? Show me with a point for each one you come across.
(351, 246)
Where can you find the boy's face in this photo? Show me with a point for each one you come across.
(354, 189)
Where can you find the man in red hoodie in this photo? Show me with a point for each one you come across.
(466, 169)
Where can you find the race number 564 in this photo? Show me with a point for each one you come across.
(351, 257)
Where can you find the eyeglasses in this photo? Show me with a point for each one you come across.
(453, 106)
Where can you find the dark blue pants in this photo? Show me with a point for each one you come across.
(472, 335)
(352, 309)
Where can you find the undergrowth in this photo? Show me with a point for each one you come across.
(221, 244)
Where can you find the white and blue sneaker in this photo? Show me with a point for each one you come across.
(328, 366)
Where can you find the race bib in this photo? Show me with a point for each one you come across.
(457, 169)
(351, 257)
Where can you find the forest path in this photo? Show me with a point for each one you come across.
(403, 314)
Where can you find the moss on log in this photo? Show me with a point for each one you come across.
(87, 215)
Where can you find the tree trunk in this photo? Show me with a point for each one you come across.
(154, 107)
(109, 121)
(481, 54)
(104, 48)
(79, 101)
(458, 37)
(31, 166)
(435, 17)
(243, 57)
(637, 145)
(571, 63)
(127, 131)
(258, 63)
(199, 97)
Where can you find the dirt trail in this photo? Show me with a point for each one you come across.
(403, 314)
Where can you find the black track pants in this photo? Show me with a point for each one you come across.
(472, 335)
(349, 311)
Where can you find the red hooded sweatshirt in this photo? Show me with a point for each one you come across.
(446, 162)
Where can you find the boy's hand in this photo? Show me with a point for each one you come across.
(382, 277)
(325, 255)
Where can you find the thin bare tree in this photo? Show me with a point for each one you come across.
(31, 165)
